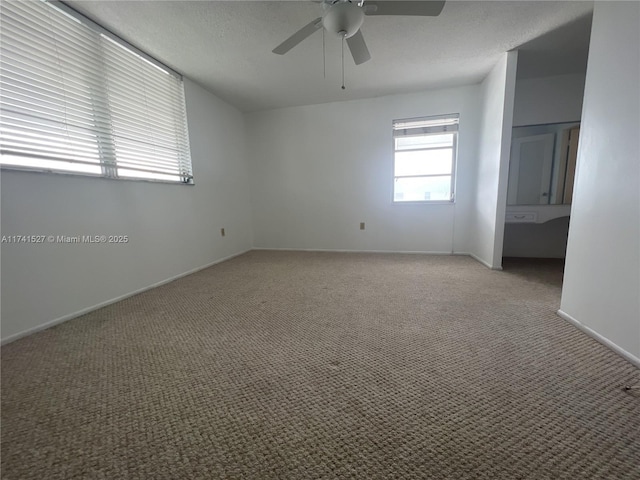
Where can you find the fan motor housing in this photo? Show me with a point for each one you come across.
(343, 19)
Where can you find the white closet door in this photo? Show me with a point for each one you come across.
(530, 170)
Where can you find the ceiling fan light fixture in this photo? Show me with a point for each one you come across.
(343, 17)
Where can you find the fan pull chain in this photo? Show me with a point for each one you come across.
(324, 57)
(343, 87)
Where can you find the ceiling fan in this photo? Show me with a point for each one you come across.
(345, 17)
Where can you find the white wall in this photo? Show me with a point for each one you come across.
(602, 274)
(318, 171)
(172, 228)
(490, 194)
(544, 100)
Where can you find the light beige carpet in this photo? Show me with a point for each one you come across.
(324, 366)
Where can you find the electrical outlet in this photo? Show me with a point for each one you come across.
(222, 232)
(361, 225)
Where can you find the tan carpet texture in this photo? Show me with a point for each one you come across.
(298, 365)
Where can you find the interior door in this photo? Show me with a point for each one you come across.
(530, 170)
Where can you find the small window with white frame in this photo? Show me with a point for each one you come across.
(424, 158)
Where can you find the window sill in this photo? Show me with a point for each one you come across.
(11, 168)
(424, 202)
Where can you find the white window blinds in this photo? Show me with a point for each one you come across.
(426, 125)
(76, 99)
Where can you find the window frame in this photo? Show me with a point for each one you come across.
(108, 164)
(454, 161)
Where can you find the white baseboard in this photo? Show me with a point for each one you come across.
(486, 264)
(64, 318)
(603, 340)
(410, 252)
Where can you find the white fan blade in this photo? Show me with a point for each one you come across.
(298, 37)
(358, 48)
(428, 8)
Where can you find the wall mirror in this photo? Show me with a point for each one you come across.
(542, 164)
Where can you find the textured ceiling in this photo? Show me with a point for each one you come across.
(226, 46)
(563, 50)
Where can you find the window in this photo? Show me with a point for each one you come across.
(75, 98)
(424, 159)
